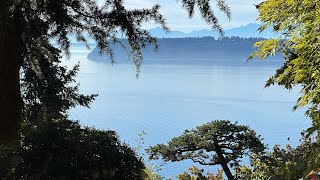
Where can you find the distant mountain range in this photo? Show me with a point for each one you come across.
(250, 30)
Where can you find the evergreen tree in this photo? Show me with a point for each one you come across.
(30, 74)
(218, 142)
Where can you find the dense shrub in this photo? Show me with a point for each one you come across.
(63, 150)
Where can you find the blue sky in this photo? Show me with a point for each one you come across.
(243, 12)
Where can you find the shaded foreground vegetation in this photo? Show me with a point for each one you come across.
(61, 149)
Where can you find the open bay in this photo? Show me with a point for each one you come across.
(168, 98)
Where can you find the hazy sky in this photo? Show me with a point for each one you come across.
(243, 12)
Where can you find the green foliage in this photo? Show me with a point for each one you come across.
(150, 174)
(198, 144)
(61, 149)
(297, 22)
(217, 142)
(198, 174)
(151, 171)
(52, 93)
(287, 163)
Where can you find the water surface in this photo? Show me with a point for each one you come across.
(168, 98)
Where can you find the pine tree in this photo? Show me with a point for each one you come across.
(219, 142)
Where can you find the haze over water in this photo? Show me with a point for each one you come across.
(169, 98)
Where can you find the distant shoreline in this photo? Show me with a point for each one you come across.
(205, 50)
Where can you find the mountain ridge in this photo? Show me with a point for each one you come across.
(246, 31)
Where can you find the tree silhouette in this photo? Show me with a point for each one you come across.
(217, 142)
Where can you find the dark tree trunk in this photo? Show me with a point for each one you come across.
(224, 163)
(10, 61)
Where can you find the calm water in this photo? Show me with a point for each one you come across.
(166, 99)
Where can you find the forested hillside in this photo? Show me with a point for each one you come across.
(188, 50)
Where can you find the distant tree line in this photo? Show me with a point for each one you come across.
(182, 49)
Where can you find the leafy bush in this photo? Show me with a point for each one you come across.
(198, 174)
(287, 163)
(61, 149)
